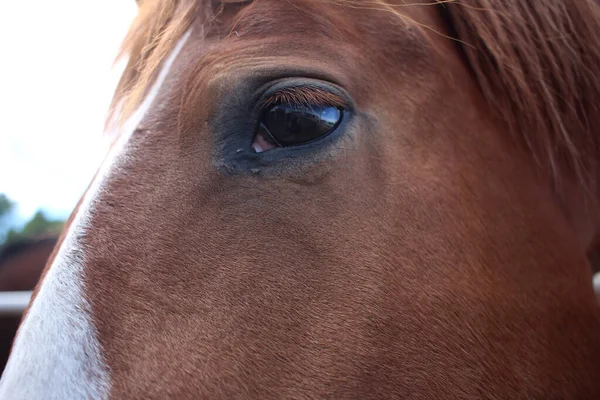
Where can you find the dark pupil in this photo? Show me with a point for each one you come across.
(291, 124)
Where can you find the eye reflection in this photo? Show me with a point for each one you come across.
(286, 125)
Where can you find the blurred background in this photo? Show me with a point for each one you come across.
(56, 83)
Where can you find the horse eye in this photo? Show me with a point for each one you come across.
(286, 125)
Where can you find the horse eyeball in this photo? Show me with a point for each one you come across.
(286, 125)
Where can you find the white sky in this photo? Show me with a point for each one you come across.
(56, 84)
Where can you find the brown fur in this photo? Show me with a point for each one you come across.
(533, 61)
(536, 63)
(423, 255)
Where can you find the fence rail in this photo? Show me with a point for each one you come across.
(13, 303)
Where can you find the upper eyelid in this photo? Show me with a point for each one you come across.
(303, 95)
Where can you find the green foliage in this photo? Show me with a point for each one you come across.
(38, 225)
(6, 206)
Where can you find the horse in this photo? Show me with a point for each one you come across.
(21, 265)
(348, 199)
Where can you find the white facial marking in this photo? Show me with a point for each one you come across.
(56, 354)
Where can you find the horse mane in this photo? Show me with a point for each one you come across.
(152, 35)
(537, 64)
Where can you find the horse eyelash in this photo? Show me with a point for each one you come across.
(304, 96)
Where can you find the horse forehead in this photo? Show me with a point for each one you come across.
(331, 19)
(366, 36)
